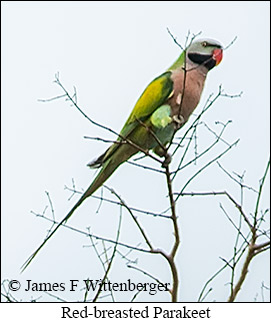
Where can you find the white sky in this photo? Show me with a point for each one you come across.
(110, 52)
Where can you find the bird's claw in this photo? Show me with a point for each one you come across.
(167, 160)
(178, 120)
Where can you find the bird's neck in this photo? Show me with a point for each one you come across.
(183, 62)
(178, 63)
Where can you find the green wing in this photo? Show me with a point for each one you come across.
(156, 93)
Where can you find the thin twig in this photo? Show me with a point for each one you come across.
(147, 274)
(133, 217)
(252, 252)
(111, 261)
(205, 166)
(231, 43)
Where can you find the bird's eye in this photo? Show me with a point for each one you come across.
(204, 43)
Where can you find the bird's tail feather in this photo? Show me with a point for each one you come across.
(29, 260)
(108, 168)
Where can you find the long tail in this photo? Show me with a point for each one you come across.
(108, 168)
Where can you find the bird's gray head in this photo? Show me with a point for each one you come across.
(206, 52)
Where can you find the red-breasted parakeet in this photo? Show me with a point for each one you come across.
(164, 106)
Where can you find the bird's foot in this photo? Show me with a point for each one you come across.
(167, 160)
(178, 121)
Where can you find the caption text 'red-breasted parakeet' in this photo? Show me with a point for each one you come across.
(164, 107)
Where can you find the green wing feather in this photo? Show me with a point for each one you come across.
(155, 94)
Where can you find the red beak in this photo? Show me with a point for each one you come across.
(218, 55)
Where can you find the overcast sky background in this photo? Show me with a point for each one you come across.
(110, 52)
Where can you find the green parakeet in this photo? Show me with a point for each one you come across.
(164, 106)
